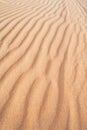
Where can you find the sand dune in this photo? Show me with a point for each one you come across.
(43, 65)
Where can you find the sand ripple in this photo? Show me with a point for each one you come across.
(43, 65)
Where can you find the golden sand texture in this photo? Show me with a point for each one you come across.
(43, 64)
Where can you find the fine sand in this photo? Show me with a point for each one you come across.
(43, 64)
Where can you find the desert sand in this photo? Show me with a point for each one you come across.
(43, 64)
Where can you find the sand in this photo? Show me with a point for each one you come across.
(43, 65)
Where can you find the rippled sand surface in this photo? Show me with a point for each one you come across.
(43, 64)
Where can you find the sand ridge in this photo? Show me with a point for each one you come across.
(43, 66)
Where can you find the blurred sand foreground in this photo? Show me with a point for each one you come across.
(43, 64)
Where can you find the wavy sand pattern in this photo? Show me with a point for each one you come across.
(43, 65)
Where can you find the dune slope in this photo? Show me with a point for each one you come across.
(43, 65)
